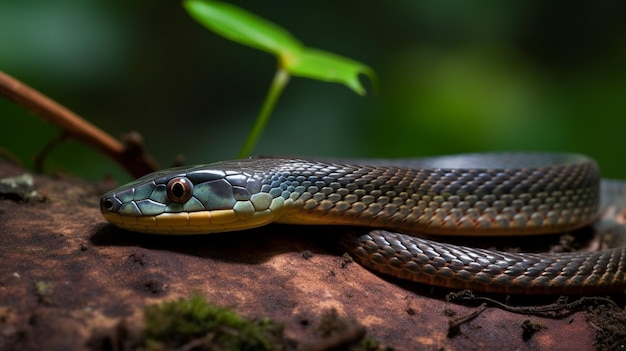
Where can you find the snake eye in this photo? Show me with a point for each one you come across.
(179, 190)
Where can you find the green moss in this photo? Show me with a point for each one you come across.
(43, 290)
(370, 344)
(194, 322)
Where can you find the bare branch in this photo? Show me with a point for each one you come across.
(134, 158)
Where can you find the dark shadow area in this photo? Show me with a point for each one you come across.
(256, 242)
(251, 246)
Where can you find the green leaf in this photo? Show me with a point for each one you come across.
(244, 27)
(329, 67)
(248, 29)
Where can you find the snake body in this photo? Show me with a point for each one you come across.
(479, 194)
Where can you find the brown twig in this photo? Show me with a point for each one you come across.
(134, 158)
(454, 325)
(559, 309)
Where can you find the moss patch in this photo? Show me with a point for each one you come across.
(194, 324)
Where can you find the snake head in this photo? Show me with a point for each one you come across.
(202, 199)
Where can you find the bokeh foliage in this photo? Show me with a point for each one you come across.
(455, 77)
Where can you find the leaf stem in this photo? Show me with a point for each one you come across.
(281, 78)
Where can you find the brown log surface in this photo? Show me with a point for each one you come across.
(67, 277)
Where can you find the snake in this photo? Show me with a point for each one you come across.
(405, 207)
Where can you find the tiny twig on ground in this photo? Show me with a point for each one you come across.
(454, 324)
(559, 309)
(134, 158)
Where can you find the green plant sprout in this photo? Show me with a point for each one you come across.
(294, 59)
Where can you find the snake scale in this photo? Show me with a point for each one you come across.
(474, 194)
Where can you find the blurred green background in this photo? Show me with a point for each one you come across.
(455, 77)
